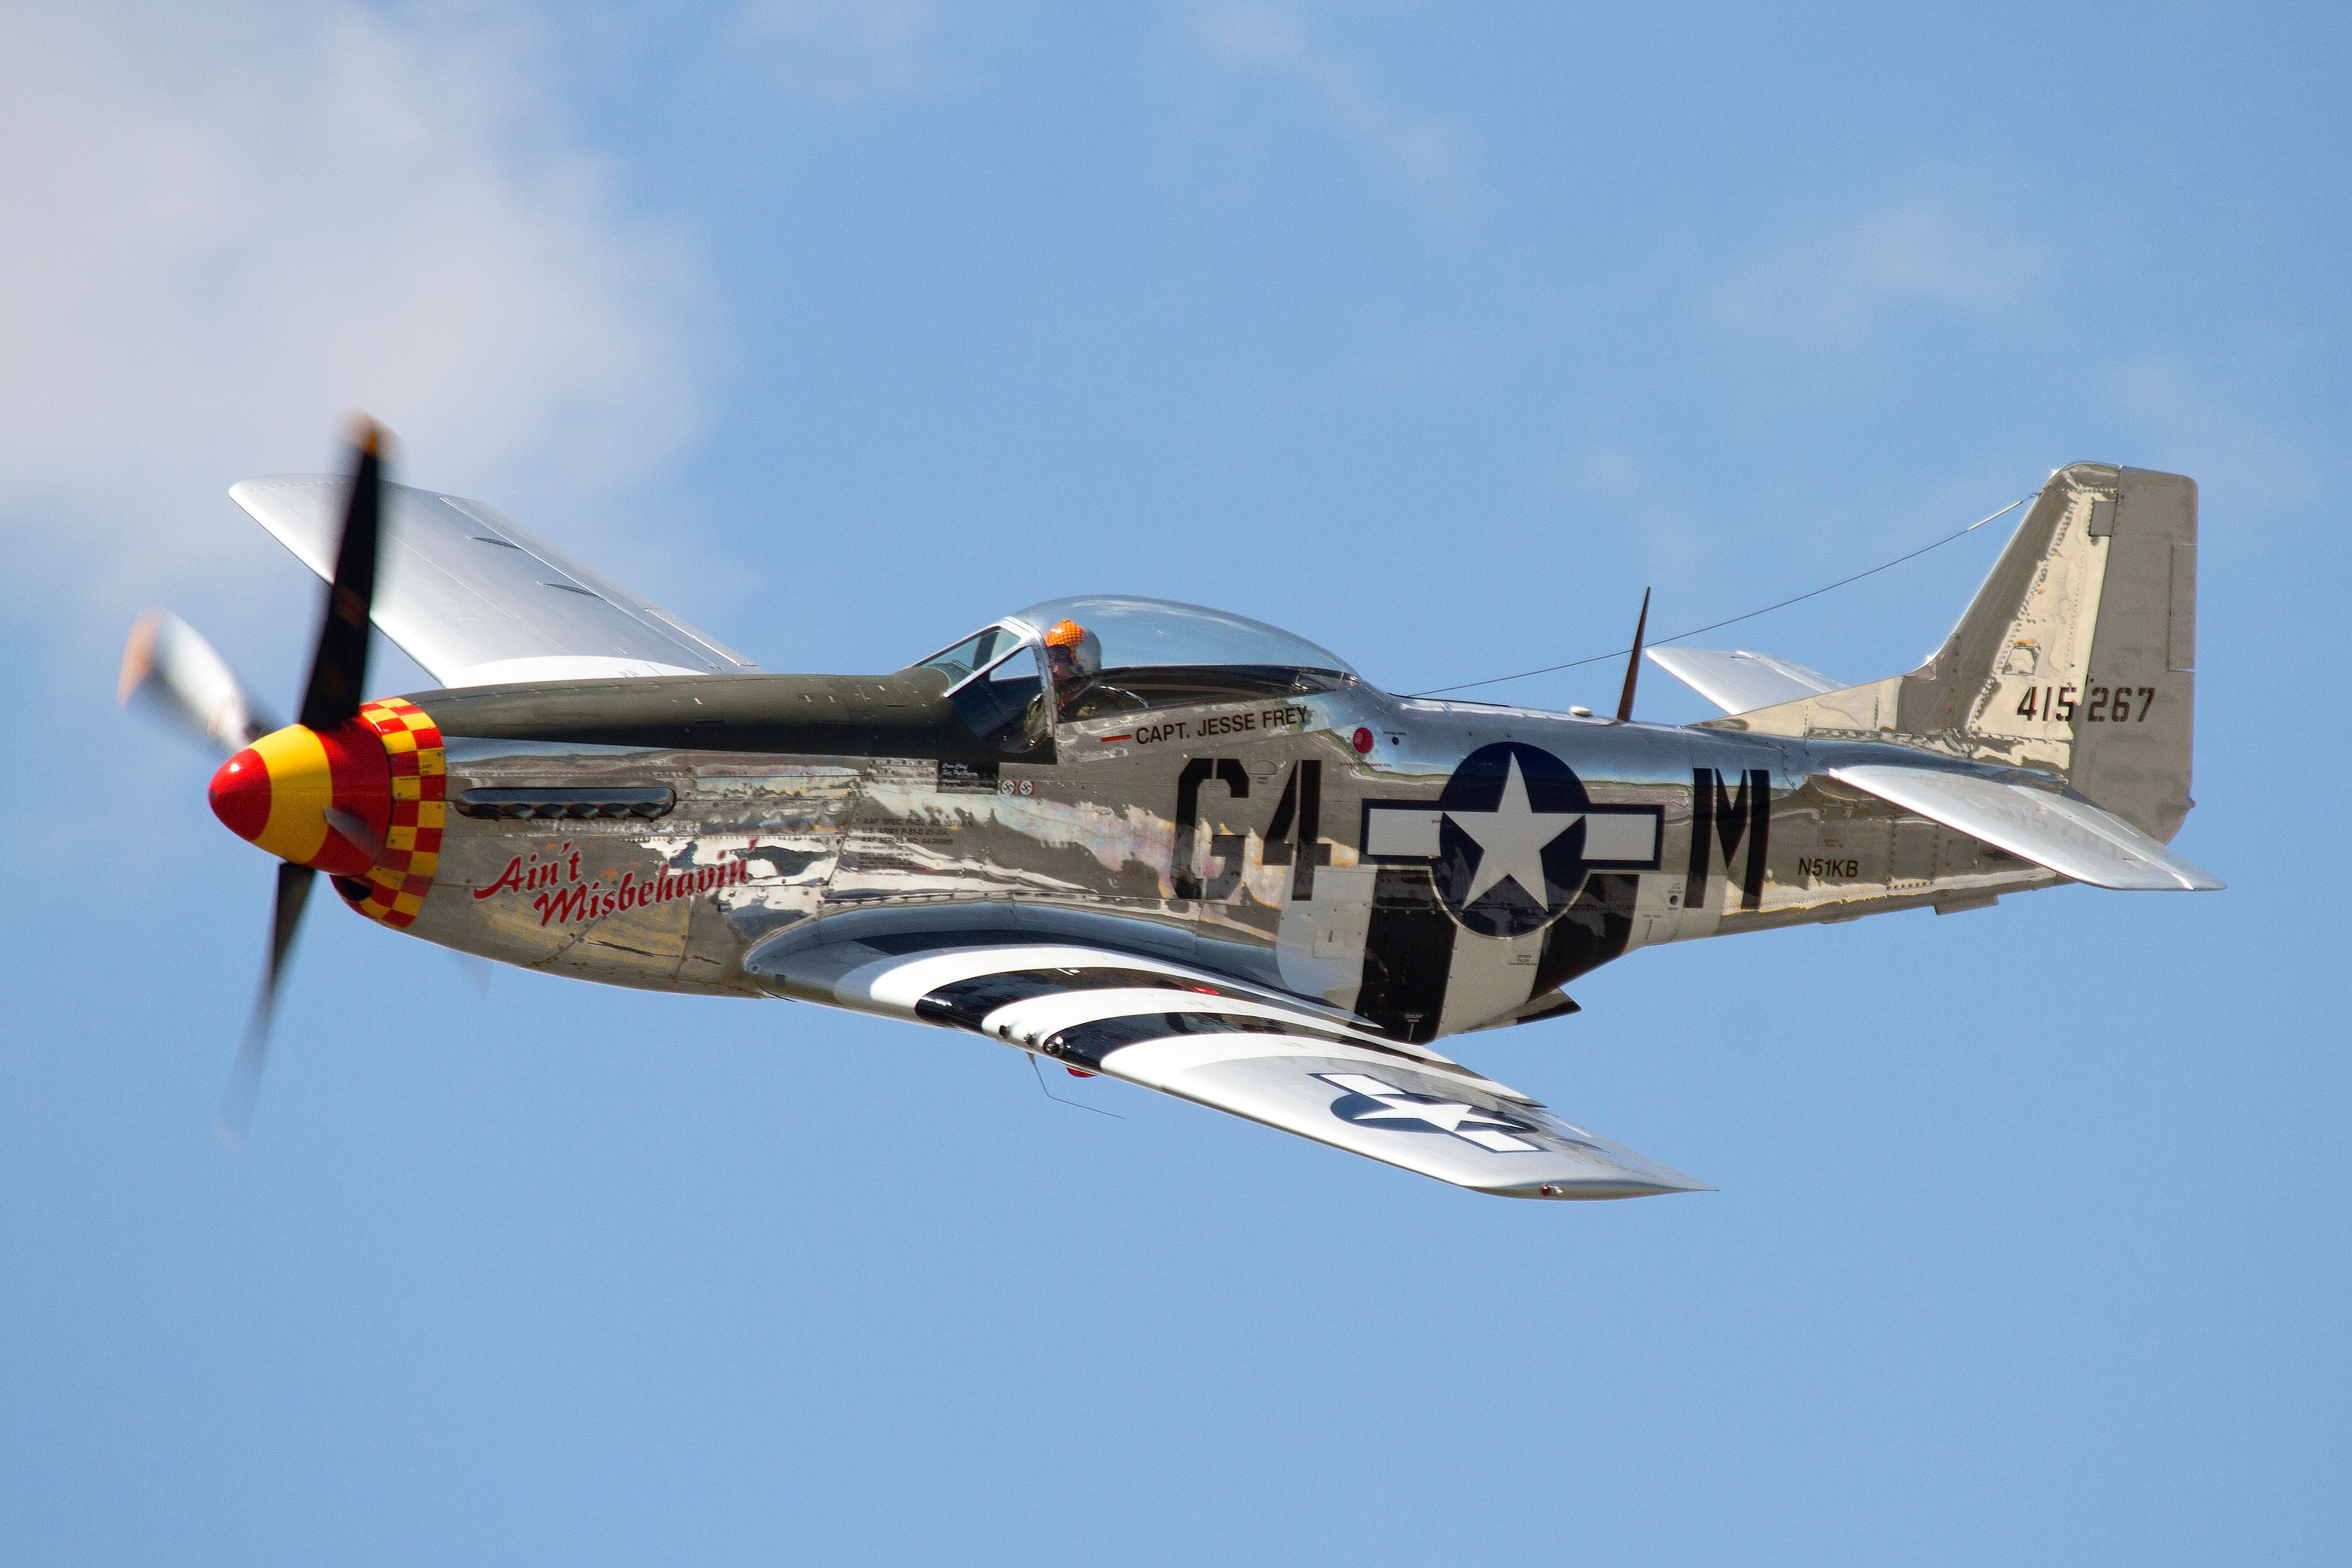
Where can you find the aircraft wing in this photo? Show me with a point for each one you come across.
(1740, 682)
(1206, 1038)
(2073, 837)
(479, 600)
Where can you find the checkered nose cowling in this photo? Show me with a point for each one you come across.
(362, 801)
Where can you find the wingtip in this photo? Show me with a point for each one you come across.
(1626, 1183)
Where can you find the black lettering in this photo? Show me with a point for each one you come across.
(1278, 832)
(2146, 701)
(1725, 819)
(2066, 704)
(1231, 846)
(1197, 772)
(1300, 808)
(2098, 701)
(2025, 708)
(1312, 851)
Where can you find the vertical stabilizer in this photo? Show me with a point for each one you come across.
(2077, 657)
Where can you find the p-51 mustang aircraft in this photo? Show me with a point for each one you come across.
(1163, 843)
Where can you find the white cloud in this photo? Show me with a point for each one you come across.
(1425, 154)
(230, 224)
(1844, 287)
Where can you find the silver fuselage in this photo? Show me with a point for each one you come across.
(1302, 841)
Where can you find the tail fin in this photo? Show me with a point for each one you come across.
(2077, 656)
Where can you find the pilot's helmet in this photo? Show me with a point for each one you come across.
(1074, 652)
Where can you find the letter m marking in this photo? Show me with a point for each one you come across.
(1720, 819)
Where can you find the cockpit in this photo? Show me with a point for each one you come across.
(1108, 653)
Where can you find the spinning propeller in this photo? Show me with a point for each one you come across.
(316, 793)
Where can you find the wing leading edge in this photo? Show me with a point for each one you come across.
(479, 600)
(1232, 1046)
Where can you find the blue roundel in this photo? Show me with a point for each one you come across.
(1511, 851)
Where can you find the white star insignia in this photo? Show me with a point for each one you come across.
(1495, 1133)
(1512, 838)
(1446, 1116)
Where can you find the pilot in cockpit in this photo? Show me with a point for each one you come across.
(1073, 662)
(1074, 657)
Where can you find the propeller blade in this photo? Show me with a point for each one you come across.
(1633, 665)
(175, 675)
(339, 666)
(235, 1120)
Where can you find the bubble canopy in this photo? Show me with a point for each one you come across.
(1143, 634)
(1148, 633)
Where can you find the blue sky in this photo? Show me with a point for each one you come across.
(1434, 336)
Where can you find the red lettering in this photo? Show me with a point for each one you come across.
(511, 877)
(562, 907)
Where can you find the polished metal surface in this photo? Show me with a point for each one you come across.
(1103, 826)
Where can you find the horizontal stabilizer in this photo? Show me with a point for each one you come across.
(2073, 837)
(1740, 682)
